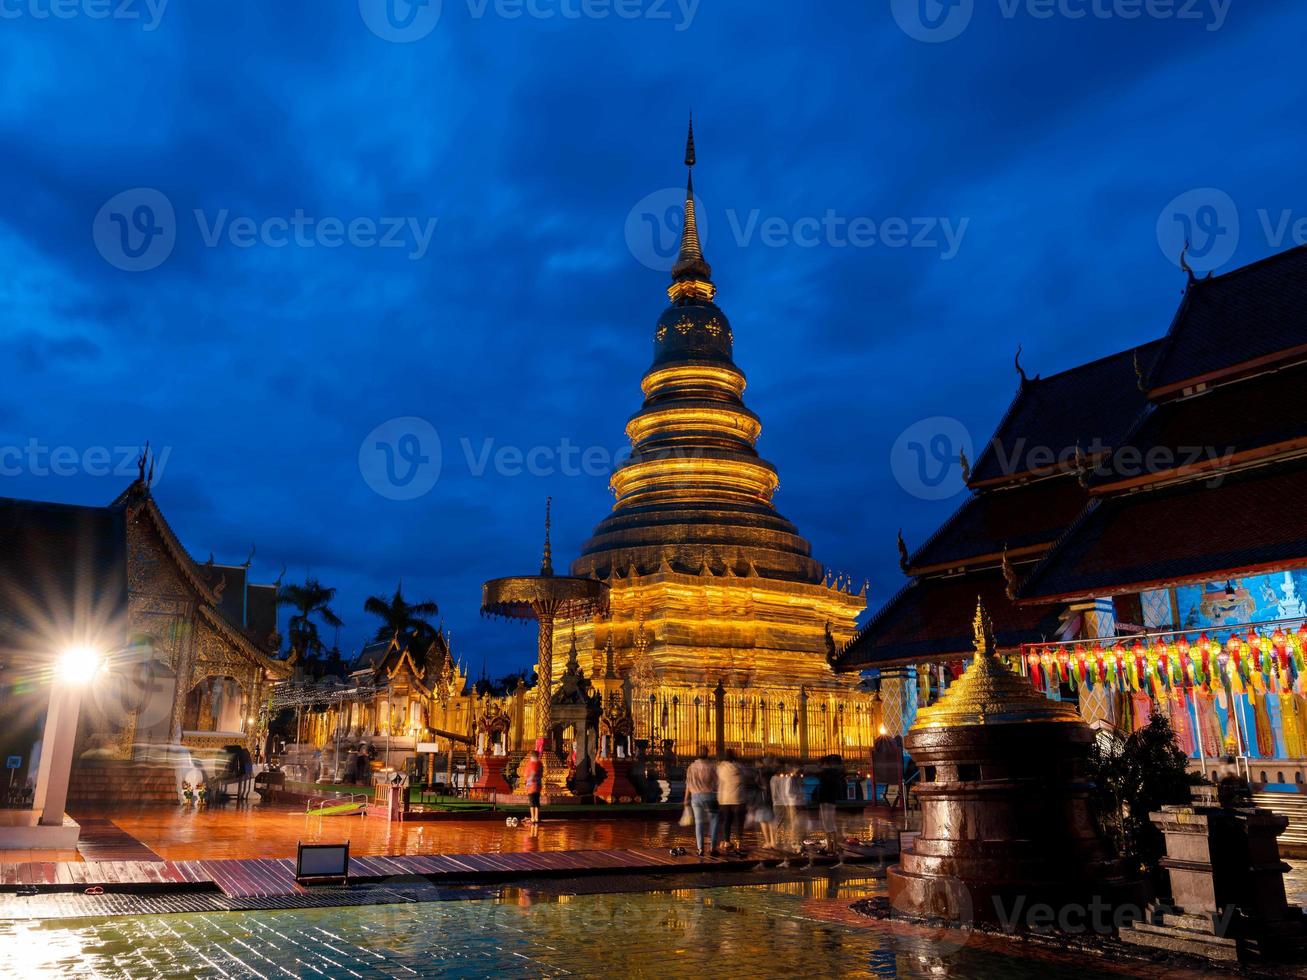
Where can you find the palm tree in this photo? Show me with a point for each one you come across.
(312, 599)
(399, 616)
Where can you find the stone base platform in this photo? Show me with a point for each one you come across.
(1223, 939)
(22, 830)
(1176, 932)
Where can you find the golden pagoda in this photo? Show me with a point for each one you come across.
(709, 584)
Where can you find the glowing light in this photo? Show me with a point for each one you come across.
(78, 664)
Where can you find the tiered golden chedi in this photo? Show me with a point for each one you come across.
(709, 583)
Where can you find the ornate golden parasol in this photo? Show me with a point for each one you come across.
(546, 598)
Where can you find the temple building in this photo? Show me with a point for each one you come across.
(708, 583)
(189, 648)
(396, 695)
(1135, 526)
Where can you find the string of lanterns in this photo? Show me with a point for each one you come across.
(1245, 663)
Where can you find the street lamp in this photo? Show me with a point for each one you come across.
(74, 668)
(78, 664)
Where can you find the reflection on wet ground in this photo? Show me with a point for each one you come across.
(271, 831)
(798, 928)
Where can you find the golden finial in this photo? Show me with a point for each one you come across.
(691, 275)
(984, 631)
(547, 562)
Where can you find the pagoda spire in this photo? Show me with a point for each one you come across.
(691, 274)
(547, 560)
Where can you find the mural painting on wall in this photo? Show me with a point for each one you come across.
(1258, 598)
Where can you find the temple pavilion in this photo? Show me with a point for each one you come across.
(1135, 525)
(190, 647)
(717, 606)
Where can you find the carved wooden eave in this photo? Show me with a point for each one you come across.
(278, 668)
(136, 499)
(417, 674)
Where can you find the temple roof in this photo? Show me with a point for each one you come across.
(1200, 530)
(1095, 402)
(931, 619)
(1255, 313)
(60, 565)
(1231, 420)
(1015, 517)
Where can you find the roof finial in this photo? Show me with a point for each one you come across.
(984, 631)
(1020, 370)
(691, 275)
(903, 552)
(547, 562)
(1011, 582)
(1184, 261)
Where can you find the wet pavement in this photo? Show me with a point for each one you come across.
(273, 831)
(800, 928)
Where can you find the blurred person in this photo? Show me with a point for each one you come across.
(787, 798)
(533, 779)
(764, 809)
(829, 792)
(701, 795)
(731, 789)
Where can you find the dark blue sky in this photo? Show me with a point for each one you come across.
(261, 356)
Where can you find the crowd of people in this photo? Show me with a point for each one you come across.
(724, 797)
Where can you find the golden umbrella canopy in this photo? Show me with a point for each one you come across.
(545, 598)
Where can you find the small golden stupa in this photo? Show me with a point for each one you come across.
(1005, 815)
(990, 693)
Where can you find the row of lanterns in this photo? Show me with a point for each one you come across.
(1276, 663)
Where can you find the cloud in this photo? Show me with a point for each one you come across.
(528, 320)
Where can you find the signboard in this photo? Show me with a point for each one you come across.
(322, 862)
(430, 747)
(14, 762)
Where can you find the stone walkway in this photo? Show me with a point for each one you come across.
(275, 877)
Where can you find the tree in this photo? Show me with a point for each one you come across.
(1135, 777)
(399, 616)
(501, 687)
(311, 601)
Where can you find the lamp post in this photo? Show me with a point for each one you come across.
(75, 668)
